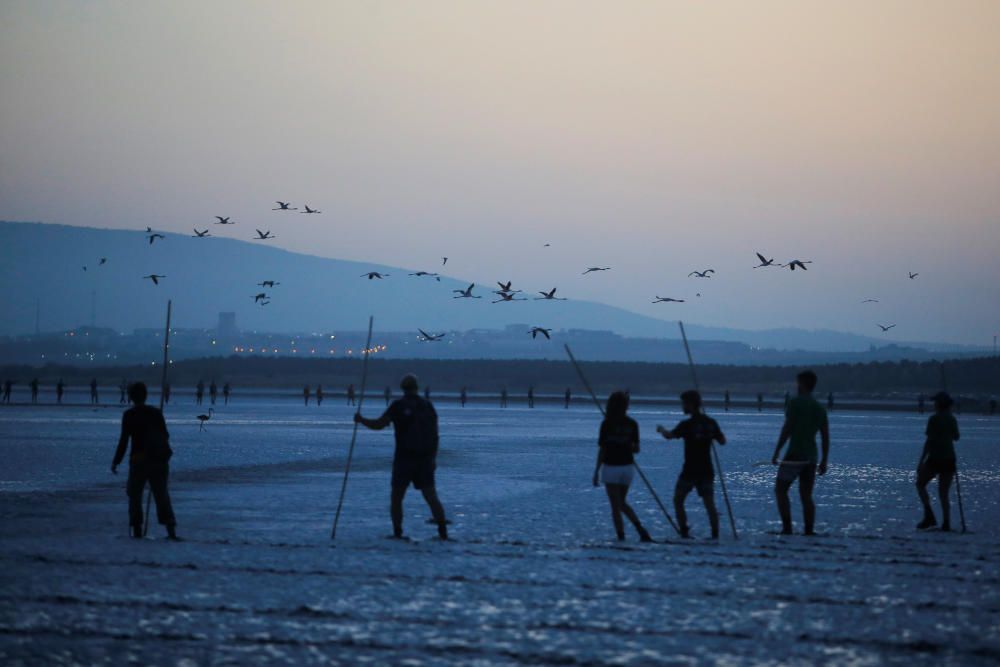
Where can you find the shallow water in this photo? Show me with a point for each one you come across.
(533, 576)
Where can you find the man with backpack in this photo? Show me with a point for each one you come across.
(415, 424)
(147, 462)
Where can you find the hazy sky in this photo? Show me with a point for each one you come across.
(652, 137)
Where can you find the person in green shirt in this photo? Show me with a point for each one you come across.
(804, 418)
(938, 460)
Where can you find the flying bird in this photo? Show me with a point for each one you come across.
(431, 338)
(224, 221)
(702, 274)
(421, 274)
(204, 418)
(547, 245)
(507, 297)
(104, 260)
(155, 278)
(540, 330)
(913, 275)
(465, 293)
(870, 301)
(372, 275)
(201, 235)
(153, 236)
(505, 288)
(264, 236)
(764, 261)
(549, 296)
(798, 263)
(268, 283)
(444, 260)
(596, 268)
(667, 299)
(260, 296)
(886, 328)
(284, 206)
(310, 210)
(85, 268)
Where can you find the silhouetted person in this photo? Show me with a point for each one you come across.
(148, 460)
(226, 390)
(531, 397)
(503, 397)
(350, 394)
(123, 392)
(213, 391)
(726, 401)
(166, 393)
(305, 394)
(199, 392)
(7, 386)
(60, 390)
(920, 404)
(617, 445)
(698, 432)
(804, 418)
(319, 395)
(388, 396)
(415, 423)
(760, 402)
(568, 397)
(829, 401)
(463, 397)
(34, 390)
(93, 391)
(938, 460)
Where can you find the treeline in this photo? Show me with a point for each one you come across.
(979, 376)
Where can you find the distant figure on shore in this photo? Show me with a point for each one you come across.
(415, 423)
(388, 396)
(531, 397)
(804, 418)
(698, 432)
(463, 397)
(427, 393)
(93, 391)
(166, 393)
(920, 404)
(60, 390)
(567, 398)
(7, 386)
(306, 393)
(938, 460)
(226, 390)
(503, 397)
(760, 402)
(148, 460)
(34, 390)
(726, 401)
(617, 445)
(123, 392)
(829, 402)
(213, 392)
(350, 394)
(199, 392)
(319, 395)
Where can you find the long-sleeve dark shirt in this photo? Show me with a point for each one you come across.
(137, 424)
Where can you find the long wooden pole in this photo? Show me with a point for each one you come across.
(642, 475)
(958, 481)
(163, 386)
(354, 435)
(715, 454)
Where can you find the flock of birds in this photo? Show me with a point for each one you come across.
(505, 292)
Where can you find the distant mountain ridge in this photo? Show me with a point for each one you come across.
(42, 264)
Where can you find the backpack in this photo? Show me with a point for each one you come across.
(416, 428)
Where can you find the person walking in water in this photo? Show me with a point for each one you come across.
(415, 423)
(698, 432)
(123, 392)
(166, 393)
(350, 394)
(34, 390)
(226, 390)
(567, 398)
(149, 460)
(199, 392)
(319, 395)
(93, 391)
(617, 445)
(7, 386)
(503, 397)
(760, 402)
(463, 397)
(213, 392)
(305, 394)
(804, 418)
(60, 390)
(388, 396)
(531, 397)
(726, 401)
(938, 460)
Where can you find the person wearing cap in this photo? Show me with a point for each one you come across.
(415, 423)
(938, 460)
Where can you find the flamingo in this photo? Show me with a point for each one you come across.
(444, 260)
(155, 278)
(886, 328)
(667, 299)
(201, 235)
(421, 274)
(764, 261)
(204, 418)
(261, 296)
(506, 297)
(104, 260)
(702, 274)
(284, 206)
(870, 301)
(505, 288)
(153, 236)
(465, 293)
(224, 221)
(596, 268)
(540, 330)
(431, 338)
(372, 275)
(799, 263)
(310, 210)
(549, 296)
(264, 236)
(913, 275)
(268, 283)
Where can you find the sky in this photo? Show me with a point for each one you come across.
(656, 138)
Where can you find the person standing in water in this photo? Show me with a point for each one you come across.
(804, 418)
(7, 386)
(415, 423)
(306, 392)
(319, 395)
(698, 432)
(938, 460)
(166, 393)
(760, 402)
(149, 459)
(531, 397)
(93, 391)
(199, 392)
(226, 390)
(567, 398)
(34, 390)
(350, 394)
(726, 400)
(60, 390)
(617, 445)
(503, 397)
(463, 397)
(213, 392)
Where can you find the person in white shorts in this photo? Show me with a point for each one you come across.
(618, 444)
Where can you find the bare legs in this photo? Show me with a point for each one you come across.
(433, 502)
(617, 498)
(924, 477)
